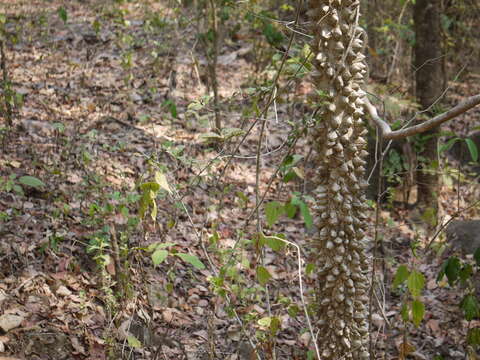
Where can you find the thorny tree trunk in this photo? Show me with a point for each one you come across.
(340, 201)
(428, 67)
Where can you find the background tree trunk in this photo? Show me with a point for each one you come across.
(428, 75)
(370, 7)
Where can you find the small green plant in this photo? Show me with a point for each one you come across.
(161, 251)
(109, 244)
(413, 309)
(53, 242)
(297, 202)
(17, 185)
(223, 136)
(4, 216)
(461, 274)
(289, 169)
(233, 282)
(9, 184)
(62, 14)
(472, 147)
(149, 192)
(410, 282)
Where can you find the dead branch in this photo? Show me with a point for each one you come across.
(388, 134)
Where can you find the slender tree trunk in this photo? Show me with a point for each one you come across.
(372, 22)
(213, 64)
(428, 75)
(340, 201)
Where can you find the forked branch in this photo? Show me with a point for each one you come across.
(388, 134)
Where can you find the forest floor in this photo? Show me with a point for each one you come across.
(114, 97)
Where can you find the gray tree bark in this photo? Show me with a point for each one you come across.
(428, 76)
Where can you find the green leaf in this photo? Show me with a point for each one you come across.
(465, 273)
(159, 256)
(429, 215)
(299, 172)
(161, 180)
(273, 243)
(418, 311)
(62, 13)
(289, 176)
(404, 312)
(274, 325)
(273, 210)
(448, 145)
(96, 26)
(154, 212)
(290, 210)
(195, 106)
(307, 217)
(452, 269)
(31, 181)
(153, 186)
(214, 238)
(400, 276)
(265, 322)
(470, 307)
(473, 336)
(243, 198)
(172, 107)
(441, 273)
(472, 147)
(231, 272)
(476, 256)
(192, 260)
(58, 126)
(309, 268)
(159, 245)
(151, 247)
(273, 36)
(263, 275)
(229, 133)
(289, 161)
(415, 283)
(134, 342)
(164, 245)
(145, 202)
(293, 310)
(211, 138)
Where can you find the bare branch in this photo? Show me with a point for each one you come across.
(388, 134)
(383, 126)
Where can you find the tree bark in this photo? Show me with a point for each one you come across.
(372, 22)
(428, 75)
(340, 205)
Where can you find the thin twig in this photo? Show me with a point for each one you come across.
(215, 271)
(271, 99)
(397, 45)
(300, 285)
(375, 245)
(454, 216)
